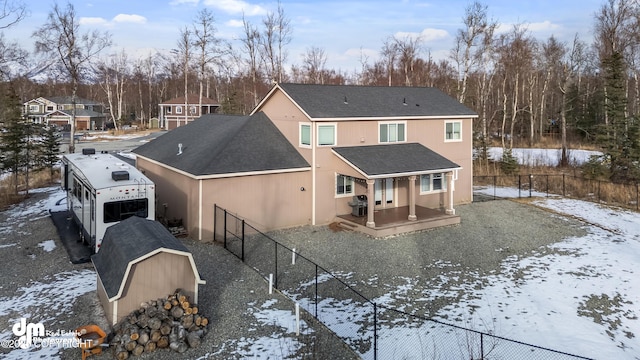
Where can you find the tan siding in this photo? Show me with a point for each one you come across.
(266, 201)
(156, 277)
(104, 301)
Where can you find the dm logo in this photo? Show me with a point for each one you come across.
(27, 332)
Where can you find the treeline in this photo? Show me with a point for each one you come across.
(524, 89)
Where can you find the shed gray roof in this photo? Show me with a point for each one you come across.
(376, 161)
(127, 241)
(351, 101)
(225, 144)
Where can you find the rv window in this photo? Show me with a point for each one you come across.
(120, 210)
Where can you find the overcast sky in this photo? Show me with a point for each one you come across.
(344, 29)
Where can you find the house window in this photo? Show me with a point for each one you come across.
(432, 183)
(392, 132)
(169, 110)
(305, 135)
(344, 185)
(49, 107)
(453, 131)
(34, 108)
(326, 135)
(193, 110)
(178, 109)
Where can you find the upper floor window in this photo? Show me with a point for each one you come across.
(34, 108)
(49, 107)
(344, 185)
(432, 183)
(392, 132)
(326, 135)
(305, 135)
(169, 110)
(178, 109)
(453, 131)
(192, 110)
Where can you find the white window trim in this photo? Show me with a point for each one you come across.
(445, 131)
(179, 109)
(310, 125)
(169, 110)
(335, 186)
(393, 122)
(444, 184)
(335, 134)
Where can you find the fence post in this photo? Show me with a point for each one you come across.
(547, 185)
(495, 180)
(225, 229)
(530, 183)
(481, 346)
(316, 300)
(599, 200)
(375, 331)
(242, 256)
(276, 264)
(637, 197)
(519, 187)
(563, 186)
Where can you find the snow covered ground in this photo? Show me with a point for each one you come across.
(543, 157)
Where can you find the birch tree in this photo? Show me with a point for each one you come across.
(60, 39)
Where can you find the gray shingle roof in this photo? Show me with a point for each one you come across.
(225, 144)
(394, 159)
(350, 101)
(127, 241)
(65, 100)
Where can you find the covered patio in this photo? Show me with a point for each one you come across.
(396, 161)
(394, 221)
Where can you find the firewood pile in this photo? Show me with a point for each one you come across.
(172, 323)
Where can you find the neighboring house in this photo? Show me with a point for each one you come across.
(307, 151)
(178, 111)
(57, 110)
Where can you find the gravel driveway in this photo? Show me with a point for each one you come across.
(234, 293)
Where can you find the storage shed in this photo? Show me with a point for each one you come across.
(139, 261)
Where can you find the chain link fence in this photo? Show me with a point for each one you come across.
(570, 186)
(372, 331)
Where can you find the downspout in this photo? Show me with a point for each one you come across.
(313, 174)
(200, 209)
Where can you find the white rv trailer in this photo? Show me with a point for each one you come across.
(103, 190)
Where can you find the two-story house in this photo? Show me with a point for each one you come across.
(57, 110)
(384, 160)
(180, 111)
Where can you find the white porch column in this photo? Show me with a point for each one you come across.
(450, 210)
(371, 203)
(412, 198)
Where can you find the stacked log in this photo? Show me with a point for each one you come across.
(171, 323)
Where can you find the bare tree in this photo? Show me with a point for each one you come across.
(114, 72)
(276, 35)
(314, 61)
(408, 50)
(471, 42)
(389, 53)
(251, 42)
(184, 57)
(60, 38)
(206, 45)
(12, 12)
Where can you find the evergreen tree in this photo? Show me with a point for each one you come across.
(619, 135)
(14, 136)
(49, 150)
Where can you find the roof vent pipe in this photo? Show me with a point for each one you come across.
(180, 149)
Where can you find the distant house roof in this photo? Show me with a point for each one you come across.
(353, 102)
(377, 161)
(129, 242)
(67, 100)
(225, 144)
(79, 112)
(192, 99)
